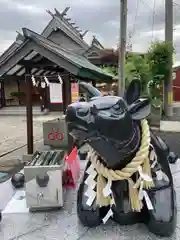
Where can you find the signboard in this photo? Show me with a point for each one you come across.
(55, 93)
(56, 135)
(75, 92)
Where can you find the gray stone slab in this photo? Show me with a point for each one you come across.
(15, 225)
(67, 228)
(176, 178)
(7, 192)
(64, 224)
(175, 168)
(74, 231)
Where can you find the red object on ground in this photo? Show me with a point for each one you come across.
(72, 169)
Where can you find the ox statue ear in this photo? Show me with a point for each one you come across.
(140, 109)
(133, 91)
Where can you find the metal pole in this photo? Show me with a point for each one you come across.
(29, 112)
(122, 47)
(168, 90)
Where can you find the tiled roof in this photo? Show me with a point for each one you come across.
(79, 61)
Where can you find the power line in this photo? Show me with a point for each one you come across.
(147, 6)
(131, 33)
(176, 4)
(135, 18)
(177, 7)
(153, 23)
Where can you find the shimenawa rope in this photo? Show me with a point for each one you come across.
(140, 164)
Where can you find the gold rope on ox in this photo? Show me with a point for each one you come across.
(140, 164)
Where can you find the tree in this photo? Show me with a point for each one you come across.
(159, 55)
(137, 66)
(111, 69)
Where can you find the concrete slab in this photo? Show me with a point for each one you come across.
(169, 126)
(64, 224)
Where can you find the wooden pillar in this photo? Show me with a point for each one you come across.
(29, 111)
(66, 92)
(3, 94)
(18, 86)
(66, 101)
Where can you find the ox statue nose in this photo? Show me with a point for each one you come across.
(76, 110)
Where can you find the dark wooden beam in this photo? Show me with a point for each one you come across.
(40, 66)
(29, 63)
(29, 111)
(12, 77)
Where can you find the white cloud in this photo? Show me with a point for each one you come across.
(101, 17)
(4, 45)
(29, 8)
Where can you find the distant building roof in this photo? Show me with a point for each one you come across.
(73, 63)
(61, 22)
(58, 21)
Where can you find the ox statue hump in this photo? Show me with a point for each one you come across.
(127, 177)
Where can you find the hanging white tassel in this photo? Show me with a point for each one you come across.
(91, 184)
(37, 83)
(43, 84)
(60, 79)
(108, 215)
(107, 190)
(147, 200)
(46, 81)
(33, 80)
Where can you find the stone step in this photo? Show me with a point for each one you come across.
(19, 111)
(176, 111)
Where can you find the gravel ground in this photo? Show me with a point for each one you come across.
(13, 131)
(64, 224)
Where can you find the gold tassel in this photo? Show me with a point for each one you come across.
(136, 203)
(100, 199)
(147, 170)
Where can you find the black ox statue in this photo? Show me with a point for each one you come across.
(127, 177)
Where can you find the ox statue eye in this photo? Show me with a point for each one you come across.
(82, 112)
(117, 107)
